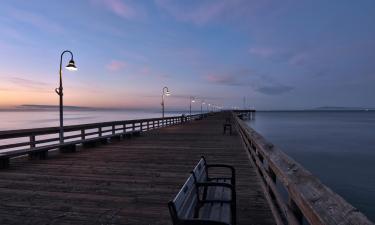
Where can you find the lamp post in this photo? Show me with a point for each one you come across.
(202, 103)
(72, 67)
(192, 100)
(165, 93)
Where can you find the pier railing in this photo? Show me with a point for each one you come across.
(37, 142)
(294, 194)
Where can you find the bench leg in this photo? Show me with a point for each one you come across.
(68, 149)
(4, 163)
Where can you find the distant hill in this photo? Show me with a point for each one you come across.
(337, 108)
(52, 107)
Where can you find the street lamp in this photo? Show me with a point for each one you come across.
(165, 93)
(202, 103)
(71, 67)
(192, 100)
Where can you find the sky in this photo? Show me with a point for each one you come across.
(291, 54)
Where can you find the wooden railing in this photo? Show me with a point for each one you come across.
(294, 194)
(37, 142)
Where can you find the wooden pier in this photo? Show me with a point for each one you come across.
(131, 179)
(128, 181)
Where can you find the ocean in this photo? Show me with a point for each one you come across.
(336, 146)
(10, 120)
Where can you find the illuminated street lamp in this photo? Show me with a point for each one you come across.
(192, 100)
(71, 67)
(202, 103)
(165, 93)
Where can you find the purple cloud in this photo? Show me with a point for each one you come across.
(226, 79)
(210, 11)
(259, 82)
(264, 52)
(119, 8)
(36, 20)
(116, 65)
(275, 89)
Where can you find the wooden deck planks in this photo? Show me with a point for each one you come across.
(126, 182)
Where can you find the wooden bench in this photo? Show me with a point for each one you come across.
(227, 126)
(204, 199)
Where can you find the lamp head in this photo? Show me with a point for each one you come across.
(193, 100)
(71, 66)
(167, 93)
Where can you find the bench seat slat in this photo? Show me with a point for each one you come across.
(217, 212)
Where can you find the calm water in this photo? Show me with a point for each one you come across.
(338, 147)
(10, 120)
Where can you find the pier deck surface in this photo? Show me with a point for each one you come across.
(128, 181)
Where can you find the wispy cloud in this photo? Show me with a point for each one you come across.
(116, 65)
(206, 11)
(234, 78)
(299, 59)
(36, 20)
(201, 14)
(120, 8)
(261, 83)
(264, 52)
(275, 89)
(15, 82)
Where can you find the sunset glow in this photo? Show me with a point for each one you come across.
(279, 55)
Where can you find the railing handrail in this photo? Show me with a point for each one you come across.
(48, 130)
(308, 198)
(21, 142)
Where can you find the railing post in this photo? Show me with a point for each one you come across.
(124, 128)
(272, 176)
(83, 136)
(141, 126)
(153, 124)
(296, 211)
(148, 125)
(133, 127)
(113, 129)
(32, 141)
(100, 131)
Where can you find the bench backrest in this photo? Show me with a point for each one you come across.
(183, 205)
(185, 201)
(200, 171)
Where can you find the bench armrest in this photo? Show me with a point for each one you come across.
(233, 171)
(214, 184)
